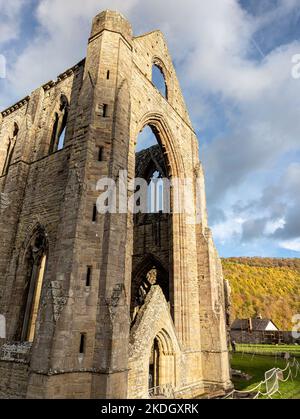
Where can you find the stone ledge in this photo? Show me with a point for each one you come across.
(98, 371)
(16, 106)
(16, 352)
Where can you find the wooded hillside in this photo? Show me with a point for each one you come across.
(266, 286)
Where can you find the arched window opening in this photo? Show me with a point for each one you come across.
(59, 126)
(10, 149)
(61, 142)
(152, 246)
(36, 260)
(156, 193)
(159, 80)
(149, 276)
(146, 139)
(36, 300)
(150, 165)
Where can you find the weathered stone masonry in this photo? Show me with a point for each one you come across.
(84, 345)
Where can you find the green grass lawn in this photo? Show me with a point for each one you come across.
(256, 366)
(294, 350)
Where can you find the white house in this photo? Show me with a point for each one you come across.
(254, 325)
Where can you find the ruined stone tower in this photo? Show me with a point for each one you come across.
(105, 305)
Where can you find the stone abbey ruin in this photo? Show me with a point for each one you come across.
(105, 305)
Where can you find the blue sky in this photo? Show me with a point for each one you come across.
(234, 62)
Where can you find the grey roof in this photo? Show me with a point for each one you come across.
(257, 324)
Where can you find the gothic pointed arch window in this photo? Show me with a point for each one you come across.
(152, 228)
(150, 165)
(10, 149)
(159, 77)
(150, 273)
(35, 268)
(59, 125)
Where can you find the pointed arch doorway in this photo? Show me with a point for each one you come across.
(162, 366)
(154, 366)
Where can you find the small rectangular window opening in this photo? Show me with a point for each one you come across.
(108, 74)
(105, 110)
(82, 343)
(100, 154)
(88, 276)
(95, 213)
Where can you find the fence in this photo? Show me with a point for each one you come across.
(271, 385)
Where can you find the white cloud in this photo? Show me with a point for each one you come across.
(214, 43)
(10, 19)
(273, 225)
(229, 230)
(293, 245)
(60, 41)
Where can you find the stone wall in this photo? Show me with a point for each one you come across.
(263, 338)
(14, 380)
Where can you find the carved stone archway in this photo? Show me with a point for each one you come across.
(154, 323)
